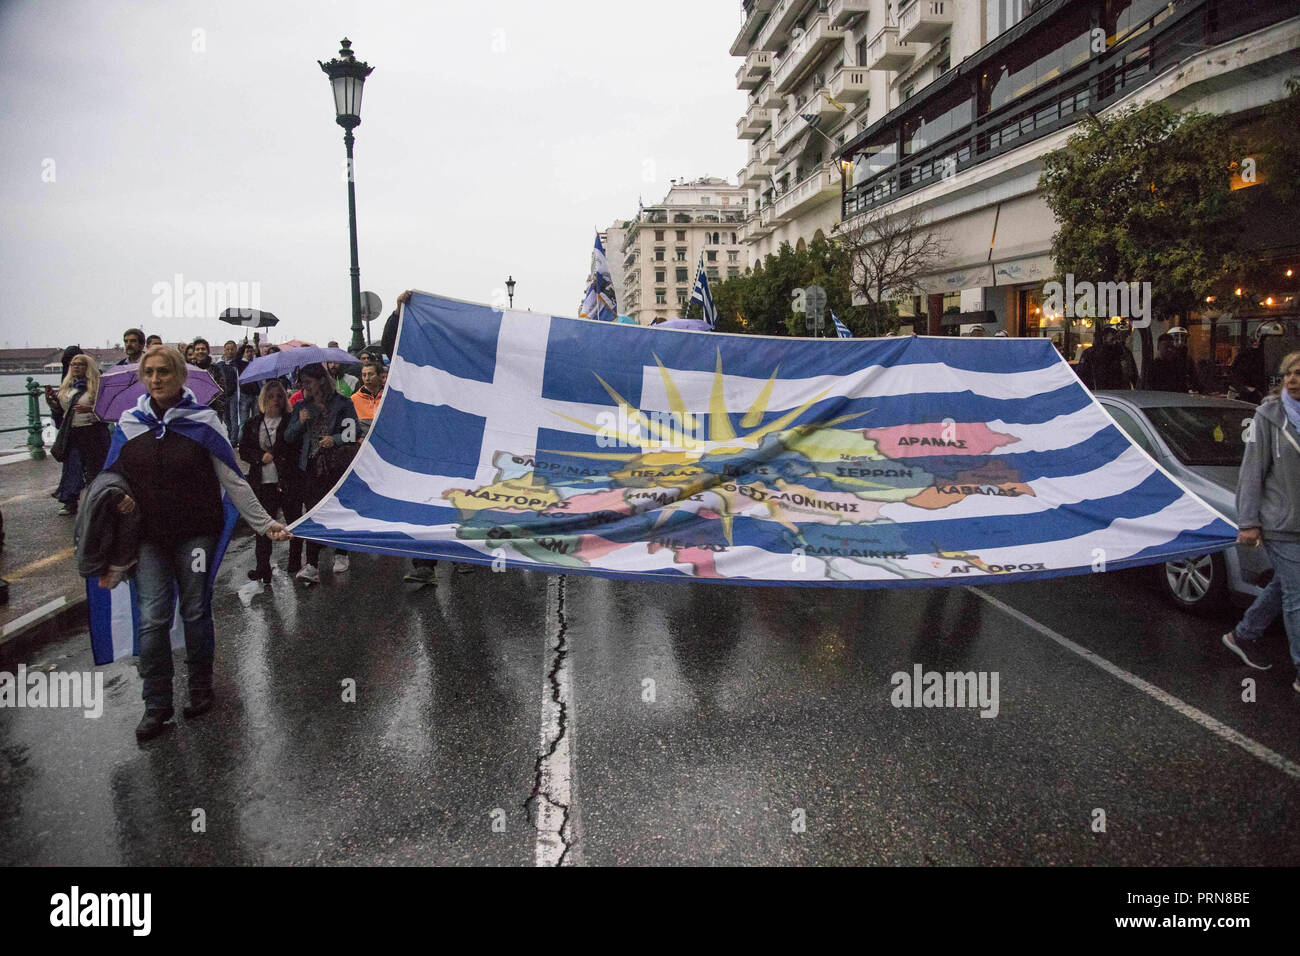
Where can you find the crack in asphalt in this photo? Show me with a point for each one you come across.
(543, 782)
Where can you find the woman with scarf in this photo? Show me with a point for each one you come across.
(1268, 516)
(174, 454)
(87, 435)
(326, 424)
(273, 472)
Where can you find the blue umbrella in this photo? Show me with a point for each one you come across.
(284, 362)
(693, 325)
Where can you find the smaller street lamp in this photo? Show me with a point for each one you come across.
(510, 290)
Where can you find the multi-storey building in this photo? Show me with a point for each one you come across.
(805, 70)
(663, 245)
(980, 91)
(949, 107)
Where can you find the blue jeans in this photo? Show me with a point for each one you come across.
(247, 408)
(232, 419)
(1281, 596)
(162, 570)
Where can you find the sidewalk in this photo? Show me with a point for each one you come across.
(37, 560)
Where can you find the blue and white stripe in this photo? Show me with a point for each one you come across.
(841, 329)
(474, 394)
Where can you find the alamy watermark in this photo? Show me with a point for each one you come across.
(179, 299)
(922, 688)
(73, 689)
(1090, 300)
(667, 431)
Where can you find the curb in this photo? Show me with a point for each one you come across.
(44, 623)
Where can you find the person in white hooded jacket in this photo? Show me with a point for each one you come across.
(1268, 516)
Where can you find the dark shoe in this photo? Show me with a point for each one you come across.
(419, 576)
(1246, 650)
(152, 724)
(201, 701)
(259, 574)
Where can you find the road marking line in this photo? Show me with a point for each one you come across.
(553, 789)
(1252, 747)
(18, 573)
(30, 616)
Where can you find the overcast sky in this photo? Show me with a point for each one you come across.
(495, 137)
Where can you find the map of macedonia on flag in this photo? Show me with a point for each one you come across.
(579, 446)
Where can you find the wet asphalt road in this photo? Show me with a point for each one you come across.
(706, 724)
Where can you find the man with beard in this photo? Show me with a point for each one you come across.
(133, 342)
(220, 374)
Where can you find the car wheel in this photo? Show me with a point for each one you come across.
(1196, 584)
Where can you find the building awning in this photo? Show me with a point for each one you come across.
(1024, 228)
(975, 277)
(1026, 269)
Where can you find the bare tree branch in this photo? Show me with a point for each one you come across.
(888, 254)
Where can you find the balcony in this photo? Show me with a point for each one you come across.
(887, 51)
(754, 11)
(821, 187)
(768, 97)
(747, 128)
(756, 66)
(794, 127)
(925, 21)
(752, 176)
(842, 11)
(759, 118)
(849, 85)
(805, 51)
(782, 16)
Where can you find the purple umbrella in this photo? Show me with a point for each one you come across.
(120, 389)
(693, 325)
(286, 360)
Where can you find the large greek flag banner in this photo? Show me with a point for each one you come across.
(580, 446)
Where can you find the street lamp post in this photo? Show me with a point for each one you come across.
(510, 290)
(347, 77)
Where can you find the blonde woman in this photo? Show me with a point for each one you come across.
(88, 435)
(1268, 516)
(273, 472)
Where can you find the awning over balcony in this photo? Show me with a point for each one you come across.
(967, 240)
(1024, 227)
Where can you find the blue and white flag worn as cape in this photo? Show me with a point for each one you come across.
(623, 451)
(115, 614)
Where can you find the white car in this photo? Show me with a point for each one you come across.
(1198, 440)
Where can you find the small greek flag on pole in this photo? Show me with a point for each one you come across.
(700, 293)
(841, 329)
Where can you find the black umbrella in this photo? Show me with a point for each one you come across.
(249, 318)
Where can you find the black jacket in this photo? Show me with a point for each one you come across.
(284, 453)
(104, 536)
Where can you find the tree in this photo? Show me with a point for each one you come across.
(762, 300)
(885, 255)
(1144, 197)
(1282, 143)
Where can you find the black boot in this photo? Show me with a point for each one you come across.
(201, 701)
(152, 724)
